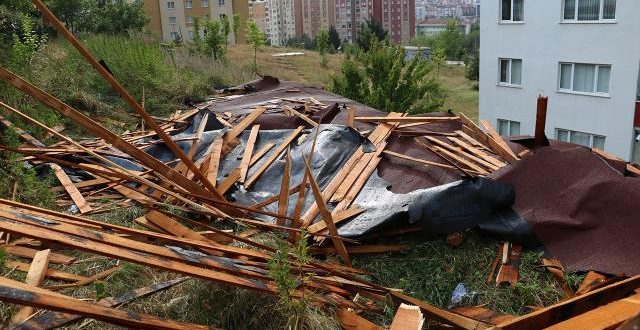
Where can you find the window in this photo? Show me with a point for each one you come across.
(220, 2)
(510, 72)
(172, 21)
(585, 78)
(589, 10)
(512, 10)
(205, 3)
(189, 19)
(188, 4)
(190, 33)
(581, 138)
(508, 127)
(171, 5)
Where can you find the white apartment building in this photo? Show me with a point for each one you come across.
(280, 21)
(583, 54)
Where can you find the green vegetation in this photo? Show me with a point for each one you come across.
(322, 40)
(430, 271)
(214, 38)
(383, 79)
(256, 38)
(371, 31)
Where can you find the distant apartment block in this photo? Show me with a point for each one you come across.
(434, 26)
(257, 12)
(582, 54)
(280, 20)
(173, 20)
(396, 16)
(317, 15)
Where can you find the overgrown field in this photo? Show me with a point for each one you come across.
(171, 79)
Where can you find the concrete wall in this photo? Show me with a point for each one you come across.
(542, 41)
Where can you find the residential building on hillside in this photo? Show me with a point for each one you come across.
(398, 17)
(257, 13)
(582, 54)
(434, 26)
(317, 15)
(280, 21)
(173, 20)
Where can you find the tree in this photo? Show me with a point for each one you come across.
(439, 59)
(256, 39)
(382, 78)
(451, 40)
(214, 38)
(236, 27)
(322, 40)
(74, 13)
(226, 28)
(197, 37)
(472, 71)
(334, 38)
(119, 17)
(370, 31)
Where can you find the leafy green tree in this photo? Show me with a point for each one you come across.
(439, 59)
(214, 38)
(472, 70)
(256, 39)
(471, 44)
(76, 14)
(197, 37)
(236, 26)
(451, 39)
(382, 78)
(322, 40)
(119, 17)
(334, 38)
(226, 28)
(370, 31)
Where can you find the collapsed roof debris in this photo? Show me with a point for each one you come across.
(283, 157)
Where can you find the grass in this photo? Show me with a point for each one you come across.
(431, 270)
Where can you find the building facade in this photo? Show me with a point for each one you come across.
(173, 20)
(398, 17)
(317, 15)
(582, 54)
(280, 21)
(257, 13)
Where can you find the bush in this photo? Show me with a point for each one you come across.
(383, 79)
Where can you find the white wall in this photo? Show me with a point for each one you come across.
(541, 42)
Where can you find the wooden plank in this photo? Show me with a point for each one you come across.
(230, 139)
(149, 260)
(256, 157)
(352, 321)
(417, 160)
(461, 160)
(567, 309)
(407, 317)
(50, 273)
(35, 276)
(337, 218)
(23, 294)
(605, 317)
(592, 280)
(273, 157)
(326, 216)
(470, 128)
(86, 281)
(300, 115)
(213, 163)
(440, 314)
(248, 151)
(30, 253)
(497, 138)
(482, 314)
(177, 229)
(460, 153)
(403, 119)
(351, 117)
(485, 156)
(275, 198)
(71, 189)
(51, 320)
(283, 201)
(555, 268)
